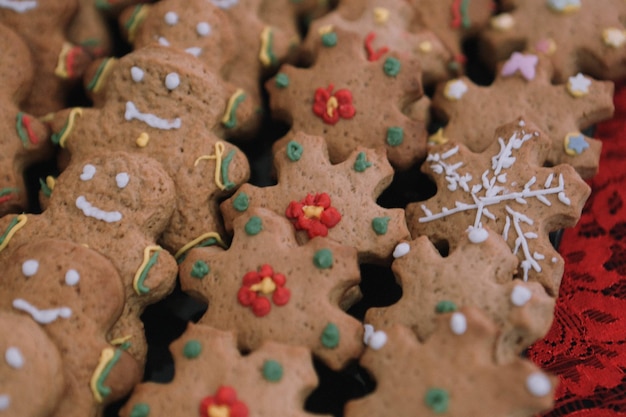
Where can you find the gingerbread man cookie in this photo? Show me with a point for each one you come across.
(266, 286)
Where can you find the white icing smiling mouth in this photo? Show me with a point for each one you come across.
(18, 6)
(90, 211)
(150, 119)
(42, 316)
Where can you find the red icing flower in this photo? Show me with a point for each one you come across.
(257, 286)
(313, 214)
(330, 107)
(223, 404)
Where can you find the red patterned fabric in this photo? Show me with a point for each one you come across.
(586, 346)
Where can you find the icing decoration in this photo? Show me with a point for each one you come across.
(241, 202)
(19, 6)
(445, 306)
(171, 18)
(203, 29)
(108, 359)
(437, 399)
(546, 46)
(60, 137)
(132, 113)
(380, 225)
(614, 37)
(425, 46)
(88, 172)
(458, 323)
(163, 41)
(381, 15)
(257, 286)
(206, 239)
(314, 214)
(48, 185)
(524, 63)
(224, 403)
(294, 151)
(123, 342)
(101, 74)
(121, 179)
(330, 336)
(225, 4)
(142, 140)
(172, 80)
(30, 267)
(200, 269)
(575, 143)
(401, 250)
(230, 115)
(520, 296)
(16, 224)
(221, 165)
(272, 370)
(136, 74)
(323, 259)
(7, 194)
(13, 357)
(5, 402)
(438, 138)
(564, 6)
(282, 80)
(329, 39)
(578, 86)
(65, 62)
(253, 226)
(134, 21)
(538, 384)
(331, 107)
(460, 14)
(143, 270)
(140, 410)
(91, 211)
(392, 66)
(42, 316)
(72, 277)
(361, 163)
(25, 130)
(373, 55)
(395, 136)
(455, 90)
(376, 340)
(192, 349)
(266, 54)
(502, 22)
(477, 234)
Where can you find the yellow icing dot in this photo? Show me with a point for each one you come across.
(325, 29)
(331, 105)
(438, 138)
(266, 286)
(313, 211)
(381, 15)
(425, 46)
(502, 22)
(219, 411)
(50, 182)
(142, 140)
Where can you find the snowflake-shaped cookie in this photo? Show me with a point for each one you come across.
(507, 189)
(305, 175)
(352, 101)
(453, 373)
(213, 378)
(266, 286)
(479, 272)
(577, 36)
(523, 87)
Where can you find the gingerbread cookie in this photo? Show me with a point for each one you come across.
(25, 139)
(165, 104)
(352, 101)
(523, 87)
(453, 373)
(213, 378)
(117, 204)
(76, 295)
(507, 189)
(30, 363)
(266, 286)
(477, 273)
(321, 199)
(577, 36)
(90, 29)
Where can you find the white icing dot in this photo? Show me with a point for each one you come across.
(374, 339)
(477, 234)
(163, 41)
(5, 402)
(172, 80)
(88, 172)
(136, 74)
(538, 384)
(455, 90)
(554, 260)
(203, 29)
(520, 295)
(368, 331)
(171, 18)
(122, 179)
(72, 277)
(30, 267)
(458, 323)
(14, 358)
(401, 250)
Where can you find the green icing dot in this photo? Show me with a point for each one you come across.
(282, 80)
(329, 39)
(437, 400)
(361, 163)
(272, 370)
(241, 202)
(254, 226)
(200, 269)
(323, 259)
(294, 151)
(192, 349)
(140, 410)
(380, 225)
(391, 66)
(445, 306)
(395, 136)
(330, 336)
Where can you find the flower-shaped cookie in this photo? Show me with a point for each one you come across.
(453, 373)
(321, 199)
(507, 189)
(523, 87)
(267, 287)
(352, 101)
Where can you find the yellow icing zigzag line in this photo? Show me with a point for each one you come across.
(266, 55)
(199, 239)
(232, 101)
(21, 221)
(146, 259)
(106, 355)
(219, 152)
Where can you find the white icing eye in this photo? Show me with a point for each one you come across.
(171, 18)
(72, 277)
(30, 267)
(203, 29)
(88, 172)
(163, 41)
(14, 358)
(401, 250)
(5, 402)
(122, 179)
(136, 74)
(172, 80)
(538, 384)
(458, 323)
